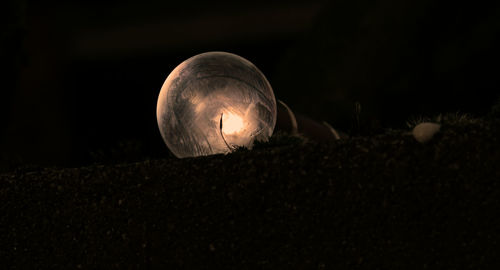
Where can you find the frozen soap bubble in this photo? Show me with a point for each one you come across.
(213, 103)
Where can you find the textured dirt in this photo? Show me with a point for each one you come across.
(374, 202)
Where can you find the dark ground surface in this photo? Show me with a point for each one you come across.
(374, 202)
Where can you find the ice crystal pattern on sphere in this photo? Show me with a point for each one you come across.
(213, 103)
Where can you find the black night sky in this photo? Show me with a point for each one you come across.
(84, 75)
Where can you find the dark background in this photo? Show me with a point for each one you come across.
(82, 77)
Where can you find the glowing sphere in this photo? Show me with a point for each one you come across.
(213, 103)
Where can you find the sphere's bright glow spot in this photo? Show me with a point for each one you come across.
(214, 103)
(232, 123)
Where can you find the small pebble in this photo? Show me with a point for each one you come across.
(424, 132)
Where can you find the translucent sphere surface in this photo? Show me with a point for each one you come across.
(214, 102)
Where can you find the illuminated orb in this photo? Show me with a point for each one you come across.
(213, 103)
